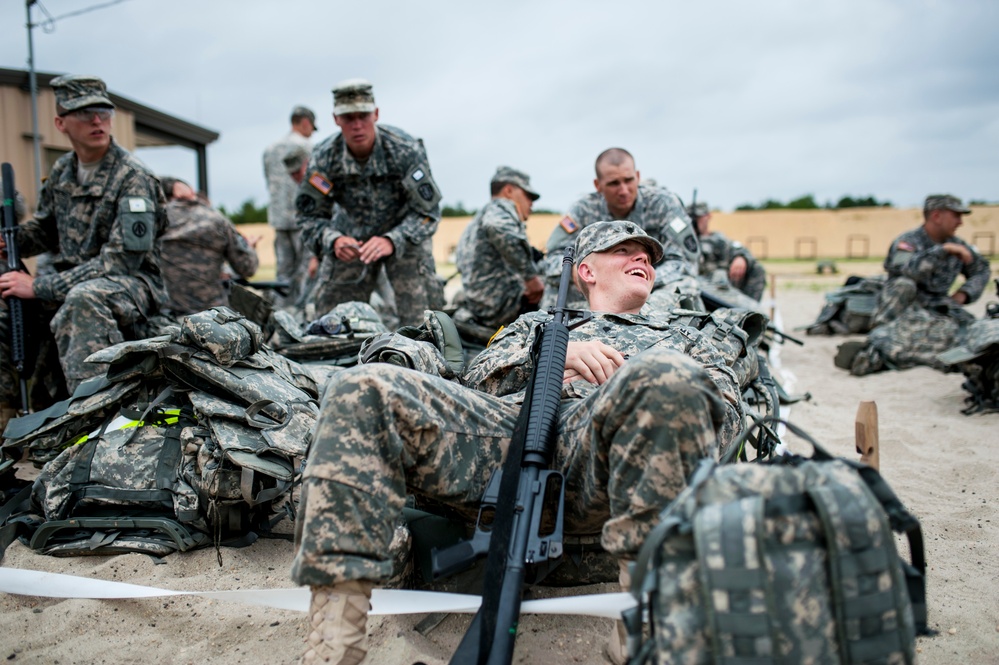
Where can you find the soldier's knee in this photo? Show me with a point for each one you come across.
(900, 288)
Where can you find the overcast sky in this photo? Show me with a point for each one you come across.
(744, 100)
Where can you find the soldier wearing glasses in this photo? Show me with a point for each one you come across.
(99, 212)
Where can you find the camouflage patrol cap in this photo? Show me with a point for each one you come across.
(601, 236)
(698, 210)
(945, 202)
(304, 112)
(353, 96)
(296, 156)
(507, 174)
(77, 92)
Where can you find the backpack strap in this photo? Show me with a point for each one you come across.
(870, 621)
(738, 595)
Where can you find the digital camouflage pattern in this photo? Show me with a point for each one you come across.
(107, 272)
(290, 255)
(626, 450)
(735, 580)
(978, 359)
(495, 259)
(915, 256)
(76, 91)
(392, 194)
(656, 210)
(717, 253)
(196, 244)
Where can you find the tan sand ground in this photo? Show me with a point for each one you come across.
(941, 463)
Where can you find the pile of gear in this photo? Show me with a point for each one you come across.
(850, 308)
(190, 439)
(977, 357)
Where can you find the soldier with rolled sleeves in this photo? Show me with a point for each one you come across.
(916, 318)
(198, 242)
(289, 252)
(499, 276)
(643, 402)
(621, 195)
(370, 201)
(100, 212)
(727, 257)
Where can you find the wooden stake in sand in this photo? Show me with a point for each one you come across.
(866, 434)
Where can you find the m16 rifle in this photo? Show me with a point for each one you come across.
(14, 304)
(520, 520)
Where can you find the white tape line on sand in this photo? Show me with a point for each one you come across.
(383, 601)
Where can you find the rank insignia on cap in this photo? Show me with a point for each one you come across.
(569, 224)
(319, 181)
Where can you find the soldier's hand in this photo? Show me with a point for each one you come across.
(376, 248)
(253, 240)
(960, 297)
(18, 284)
(737, 269)
(960, 251)
(591, 361)
(313, 267)
(346, 248)
(534, 288)
(3, 249)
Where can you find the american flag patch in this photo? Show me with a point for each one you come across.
(319, 181)
(569, 224)
(905, 247)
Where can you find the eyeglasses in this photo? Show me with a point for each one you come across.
(88, 114)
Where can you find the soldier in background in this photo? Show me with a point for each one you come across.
(731, 258)
(644, 402)
(198, 242)
(498, 273)
(917, 318)
(289, 253)
(621, 195)
(369, 202)
(100, 211)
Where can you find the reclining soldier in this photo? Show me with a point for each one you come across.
(643, 401)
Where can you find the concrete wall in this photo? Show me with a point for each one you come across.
(788, 234)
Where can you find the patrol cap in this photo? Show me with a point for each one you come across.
(296, 156)
(353, 96)
(77, 92)
(945, 202)
(508, 174)
(601, 236)
(303, 112)
(698, 210)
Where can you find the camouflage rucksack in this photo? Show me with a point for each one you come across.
(187, 440)
(786, 561)
(850, 308)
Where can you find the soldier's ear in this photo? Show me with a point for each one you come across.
(584, 273)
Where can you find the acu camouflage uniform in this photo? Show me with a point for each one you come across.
(916, 319)
(196, 243)
(495, 259)
(717, 254)
(391, 194)
(626, 447)
(107, 260)
(289, 252)
(658, 211)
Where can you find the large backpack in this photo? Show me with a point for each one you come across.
(849, 309)
(188, 440)
(788, 561)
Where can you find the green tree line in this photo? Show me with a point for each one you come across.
(808, 202)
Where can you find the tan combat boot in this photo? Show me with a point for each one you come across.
(617, 645)
(338, 619)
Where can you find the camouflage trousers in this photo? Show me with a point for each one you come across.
(90, 319)
(413, 277)
(292, 262)
(626, 451)
(901, 294)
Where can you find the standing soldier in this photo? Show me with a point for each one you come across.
(498, 272)
(281, 188)
(369, 201)
(100, 212)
